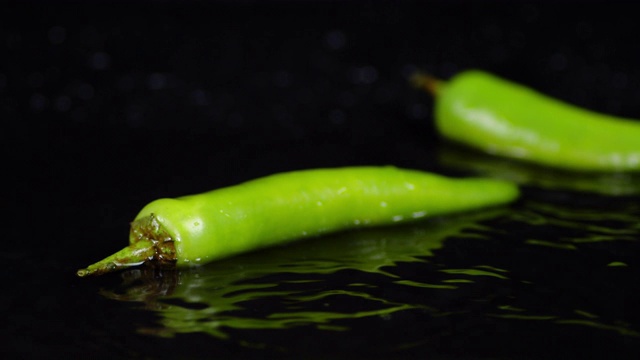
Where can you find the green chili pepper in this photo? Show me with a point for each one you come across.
(197, 229)
(503, 118)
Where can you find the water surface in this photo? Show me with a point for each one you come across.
(542, 269)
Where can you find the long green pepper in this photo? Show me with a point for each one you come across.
(198, 229)
(500, 117)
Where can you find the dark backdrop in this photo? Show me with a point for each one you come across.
(107, 105)
(115, 103)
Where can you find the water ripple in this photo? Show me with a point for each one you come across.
(546, 262)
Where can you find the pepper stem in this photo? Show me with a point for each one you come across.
(426, 82)
(134, 254)
(149, 243)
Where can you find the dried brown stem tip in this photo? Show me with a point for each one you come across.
(426, 82)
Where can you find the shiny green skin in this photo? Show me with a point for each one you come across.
(503, 118)
(299, 204)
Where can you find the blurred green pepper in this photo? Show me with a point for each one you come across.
(503, 118)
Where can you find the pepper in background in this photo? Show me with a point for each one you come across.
(500, 117)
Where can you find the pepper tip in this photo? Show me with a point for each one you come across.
(82, 272)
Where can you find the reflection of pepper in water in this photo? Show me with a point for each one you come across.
(343, 281)
(305, 283)
(457, 157)
(145, 285)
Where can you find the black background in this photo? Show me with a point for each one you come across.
(108, 105)
(112, 104)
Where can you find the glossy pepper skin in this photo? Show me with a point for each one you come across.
(197, 229)
(500, 117)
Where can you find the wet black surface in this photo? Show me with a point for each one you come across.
(111, 105)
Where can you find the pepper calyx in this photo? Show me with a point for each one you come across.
(149, 243)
